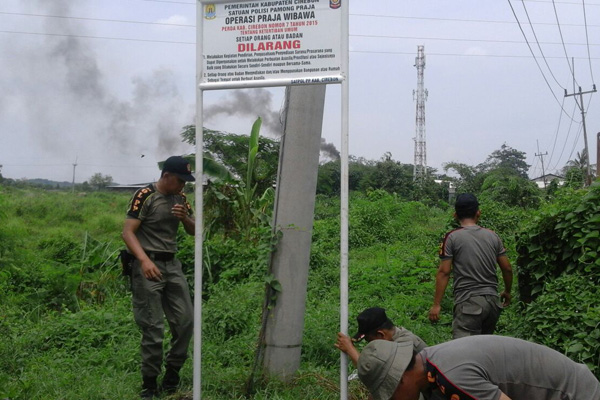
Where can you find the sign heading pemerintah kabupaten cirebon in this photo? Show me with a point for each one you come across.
(271, 43)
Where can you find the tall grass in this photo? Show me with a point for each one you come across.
(65, 311)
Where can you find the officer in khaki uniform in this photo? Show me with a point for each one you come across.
(373, 323)
(483, 367)
(159, 287)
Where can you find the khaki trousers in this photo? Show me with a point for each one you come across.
(476, 316)
(152, 302)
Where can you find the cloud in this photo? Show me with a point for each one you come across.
(175, 20)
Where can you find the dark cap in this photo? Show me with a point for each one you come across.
(179, 166)
(466, 203)
(370, 320)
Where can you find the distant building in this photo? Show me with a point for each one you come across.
(547, 179)
(135, 186)
(127, 188)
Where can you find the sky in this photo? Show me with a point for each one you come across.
(108, 85)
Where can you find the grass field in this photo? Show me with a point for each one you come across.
(65, 311)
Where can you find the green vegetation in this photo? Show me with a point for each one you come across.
(65, 310)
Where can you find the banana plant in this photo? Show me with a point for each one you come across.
(252, 209)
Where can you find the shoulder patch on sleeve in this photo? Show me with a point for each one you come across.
(448, 389)
(442, 248)
(138, 199)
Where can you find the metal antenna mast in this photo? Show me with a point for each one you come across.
(420, 165)
(73, 184)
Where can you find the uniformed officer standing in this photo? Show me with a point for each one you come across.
(158, 284)
(471, 253)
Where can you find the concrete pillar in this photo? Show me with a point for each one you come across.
(293, 215)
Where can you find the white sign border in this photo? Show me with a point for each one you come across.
(337, 78)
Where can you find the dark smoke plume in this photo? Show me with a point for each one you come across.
(259, 102)
(329, 150)
(249, 102)
(70, 108)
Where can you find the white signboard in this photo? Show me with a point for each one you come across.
(271, 43)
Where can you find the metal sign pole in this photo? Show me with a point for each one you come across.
(344, 200)
(199, 193)
(250, 45)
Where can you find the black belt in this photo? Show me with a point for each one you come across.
(160, 256)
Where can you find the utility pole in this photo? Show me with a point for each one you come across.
(588, 173)
(541, 156)
(420, 164)
(73, 183)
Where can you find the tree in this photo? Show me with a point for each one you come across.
(328, 179)
(503, 162)
(579, 163)
(469, 178)
(232, 151)
(575, 178)
(238, 205)
(508, 159)
(99, 181)
(510, 189)
(391, 176)
(328, 182)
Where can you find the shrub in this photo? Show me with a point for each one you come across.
(562, 237)
(60, 247)
(228, 259)
(370, 221)
(566, 317)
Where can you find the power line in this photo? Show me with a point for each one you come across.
(97, 37)
(539, 46)
(485, 21)
(576, 141)
(193, 43)
(588, 174)
(353, 35)
(563, 41)
(451, 54)
(78, 164)
(175, 2)
(559, 2)
(557, 131)
(566, 139)
(535, 59)
(98, 19)
(352, 14)
(587, 41)
(190, 3)
(534, 166)
(357, 35)
(463, 40)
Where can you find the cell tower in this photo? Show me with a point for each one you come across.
(420, 166)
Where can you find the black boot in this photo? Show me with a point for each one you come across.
(170, 381)
(149, 387)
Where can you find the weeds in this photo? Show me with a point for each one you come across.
(68, 331)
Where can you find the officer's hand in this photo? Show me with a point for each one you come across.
(180, 211)
(150, 270)
(506, 298)
(343, 342)
(434, 313)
